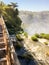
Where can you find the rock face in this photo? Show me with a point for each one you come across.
(35, 22)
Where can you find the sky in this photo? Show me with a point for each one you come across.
(31, 5)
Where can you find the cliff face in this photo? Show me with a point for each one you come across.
(35, 22)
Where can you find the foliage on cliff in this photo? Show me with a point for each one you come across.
(10, 14)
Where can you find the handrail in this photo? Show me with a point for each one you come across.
(13, 55)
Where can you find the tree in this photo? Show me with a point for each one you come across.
(13, 5)
(12, 21)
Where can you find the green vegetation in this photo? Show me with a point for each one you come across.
(19, 38)
(46, 43)
(25, 34)
(34, 38)
(41, 35)
(38, 35)
(45, 36)
(10, 14)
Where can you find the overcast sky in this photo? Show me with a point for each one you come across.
(31, 5)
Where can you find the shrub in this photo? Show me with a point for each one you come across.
(19, 37)
(38, 35)
(46, 36)
(25, 34)
(34, 38)
(42, 35)
(46, 43)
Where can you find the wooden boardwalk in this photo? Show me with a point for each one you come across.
(7, 52)
(4, 49)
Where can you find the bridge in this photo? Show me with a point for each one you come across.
(8, 55)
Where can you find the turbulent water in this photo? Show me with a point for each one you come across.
(35, 22)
